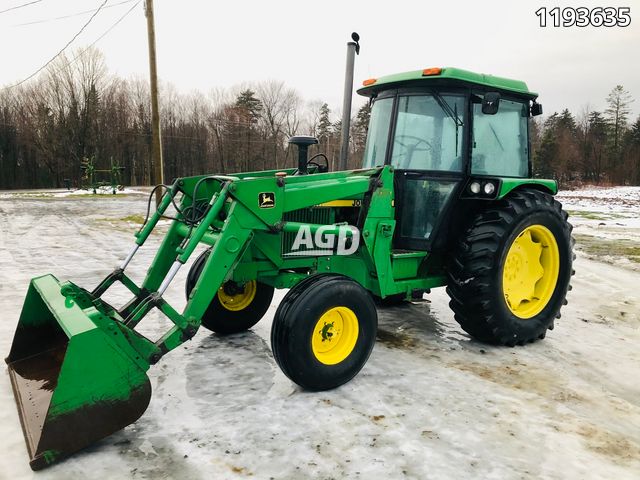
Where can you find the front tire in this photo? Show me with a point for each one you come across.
(510, 272)
(323, 331)
(234, 308)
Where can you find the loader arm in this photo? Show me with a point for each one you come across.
(78, 365)
(244, 219)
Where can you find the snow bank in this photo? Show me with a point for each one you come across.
(624, 200)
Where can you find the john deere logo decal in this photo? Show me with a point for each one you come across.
(267, 200)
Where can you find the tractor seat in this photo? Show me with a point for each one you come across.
(303, 140)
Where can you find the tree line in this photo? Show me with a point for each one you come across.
(77, 111)
(592, 147)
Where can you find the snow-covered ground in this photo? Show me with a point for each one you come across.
(607, 222)
(430, 404)
(62, 193)
(603, 198)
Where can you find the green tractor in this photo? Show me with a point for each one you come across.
(444, 198)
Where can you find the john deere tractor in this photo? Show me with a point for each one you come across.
(444, 198)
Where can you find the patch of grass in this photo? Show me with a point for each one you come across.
(98, 195)
(128, 219)
(133, 218)
(600, 247)
(32, 195)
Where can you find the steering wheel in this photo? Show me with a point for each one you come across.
(412, 147)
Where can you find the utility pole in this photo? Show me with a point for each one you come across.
(156, 141)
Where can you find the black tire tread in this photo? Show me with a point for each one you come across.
(284, 323)
(472, 263)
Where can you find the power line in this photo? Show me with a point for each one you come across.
(105, 33)
(20, 6)
(63, 48)
(70, 15)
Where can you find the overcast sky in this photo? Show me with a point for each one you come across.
(205, 44)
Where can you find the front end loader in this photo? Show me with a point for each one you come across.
(445, 198)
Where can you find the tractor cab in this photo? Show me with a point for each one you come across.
(448, 133)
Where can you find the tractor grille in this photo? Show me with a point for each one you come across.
(318, 215)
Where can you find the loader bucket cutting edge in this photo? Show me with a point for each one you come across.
(73, 381)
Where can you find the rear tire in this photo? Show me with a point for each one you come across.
(510, 272)
(323, 331)
(234, 308)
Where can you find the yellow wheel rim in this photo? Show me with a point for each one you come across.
(239, 301)
(335, 335)
(531, 271)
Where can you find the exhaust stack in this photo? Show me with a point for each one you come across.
(353, 48)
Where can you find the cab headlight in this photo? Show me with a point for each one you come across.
(489, 188)
(482, 188)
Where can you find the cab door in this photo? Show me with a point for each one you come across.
(427, 148)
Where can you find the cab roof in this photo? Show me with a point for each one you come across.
(445, 75)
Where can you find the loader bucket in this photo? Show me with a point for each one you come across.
(73, 377)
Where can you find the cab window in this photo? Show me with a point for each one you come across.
(500, 142)
(378, 135)
(429, 133)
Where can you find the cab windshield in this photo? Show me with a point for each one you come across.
(428, 134)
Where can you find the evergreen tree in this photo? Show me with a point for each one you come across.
(336, 127)
(543, 165)
(597, 142)
(544, 155)
(634, 133)
(617, 114)
(360, 129)
(249, 105)
(324, 124)
(248, 108)
(567, 122)
(632, 153)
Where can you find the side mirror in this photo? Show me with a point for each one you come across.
(490, 103)
(536, 109)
